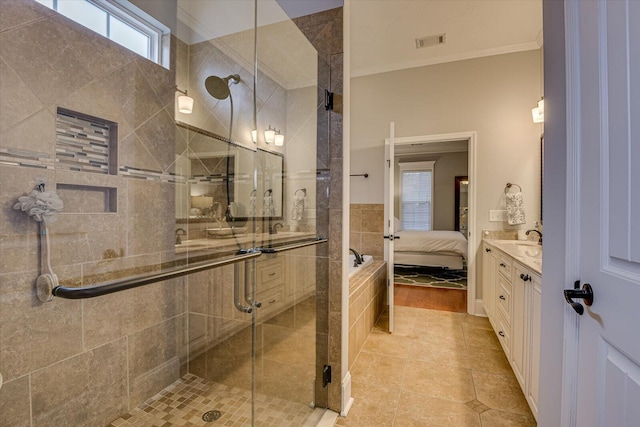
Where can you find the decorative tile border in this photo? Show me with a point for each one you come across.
(151, 175)
(25, 158)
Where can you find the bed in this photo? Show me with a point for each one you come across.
(436, 248)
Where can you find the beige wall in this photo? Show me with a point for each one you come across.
(492, 96)
(447, 167)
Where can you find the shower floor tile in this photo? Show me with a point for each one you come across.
(185, 401)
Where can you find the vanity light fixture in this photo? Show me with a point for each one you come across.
(538, 112)
(185, 102)
(273, 135)
(270, 135)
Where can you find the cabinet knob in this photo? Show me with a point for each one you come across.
(502, 264)
(502, 297)
(501, 333)
(525, 277)
(487, 250)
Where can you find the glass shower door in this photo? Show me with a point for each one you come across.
(249, 160)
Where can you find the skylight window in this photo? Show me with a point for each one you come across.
(121, 22)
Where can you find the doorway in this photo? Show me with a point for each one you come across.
(407, 147)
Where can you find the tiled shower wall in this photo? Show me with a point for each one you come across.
(110, 353)
(84, 362)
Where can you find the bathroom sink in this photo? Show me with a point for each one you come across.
(525, 248)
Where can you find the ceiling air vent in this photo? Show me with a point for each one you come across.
(430, 41)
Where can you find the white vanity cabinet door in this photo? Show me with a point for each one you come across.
(535, 316)
(519, 320)
(489, 264)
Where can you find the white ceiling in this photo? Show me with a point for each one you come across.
(383, 32)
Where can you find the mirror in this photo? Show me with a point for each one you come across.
(214, 195)
(461, 204)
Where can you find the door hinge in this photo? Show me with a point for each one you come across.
(328, 100)
(326, 375)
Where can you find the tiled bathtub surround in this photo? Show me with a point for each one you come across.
(367, 297)
(366, 229)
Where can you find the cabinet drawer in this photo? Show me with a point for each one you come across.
(271, 300)
(505, 264)
(503, 331)
(269, 274)
(503, 298)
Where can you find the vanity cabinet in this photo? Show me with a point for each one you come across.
(489, 265)
(284, 280)
(270, 275)
(512, 294)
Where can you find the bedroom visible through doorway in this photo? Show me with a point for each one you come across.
(432, 262)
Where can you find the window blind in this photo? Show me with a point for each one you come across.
(416, 200)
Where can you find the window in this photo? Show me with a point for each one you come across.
(416, 195)
(120, 22)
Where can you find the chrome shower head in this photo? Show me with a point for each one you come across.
(219, 87)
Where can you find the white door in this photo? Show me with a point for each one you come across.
(608, 384)
(389, 177)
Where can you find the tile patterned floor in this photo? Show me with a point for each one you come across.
(439, 369)
(284, 370)
(184, 402)
(431, 276)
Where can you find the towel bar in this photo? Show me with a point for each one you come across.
(509, 185)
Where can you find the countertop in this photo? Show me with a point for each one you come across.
(526, 252)
(245, 240)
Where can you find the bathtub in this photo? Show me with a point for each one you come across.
(367, 259)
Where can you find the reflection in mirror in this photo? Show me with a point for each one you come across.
(235, 185)
(461, 211)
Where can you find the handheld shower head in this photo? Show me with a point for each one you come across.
(219, 87)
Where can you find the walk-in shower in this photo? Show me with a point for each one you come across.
(142, 327)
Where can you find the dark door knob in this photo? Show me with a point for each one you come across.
(586, 294)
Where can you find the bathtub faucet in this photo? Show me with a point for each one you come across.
(358, 257)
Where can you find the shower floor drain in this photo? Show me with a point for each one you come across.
(210, 416)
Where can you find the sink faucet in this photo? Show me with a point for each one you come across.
(358, 260)
(537, 231)
(274, 228)
(179, 233)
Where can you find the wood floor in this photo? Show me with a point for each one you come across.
(432, 298)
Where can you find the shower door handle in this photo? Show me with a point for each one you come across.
(249, 270)
(236, 289)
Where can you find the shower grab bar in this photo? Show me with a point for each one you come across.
(315, 241)
(147, 279)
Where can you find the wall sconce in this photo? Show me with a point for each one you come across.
(270, 135)
(538, 112)
(185, 102)
(273, 135)
(254, 135)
